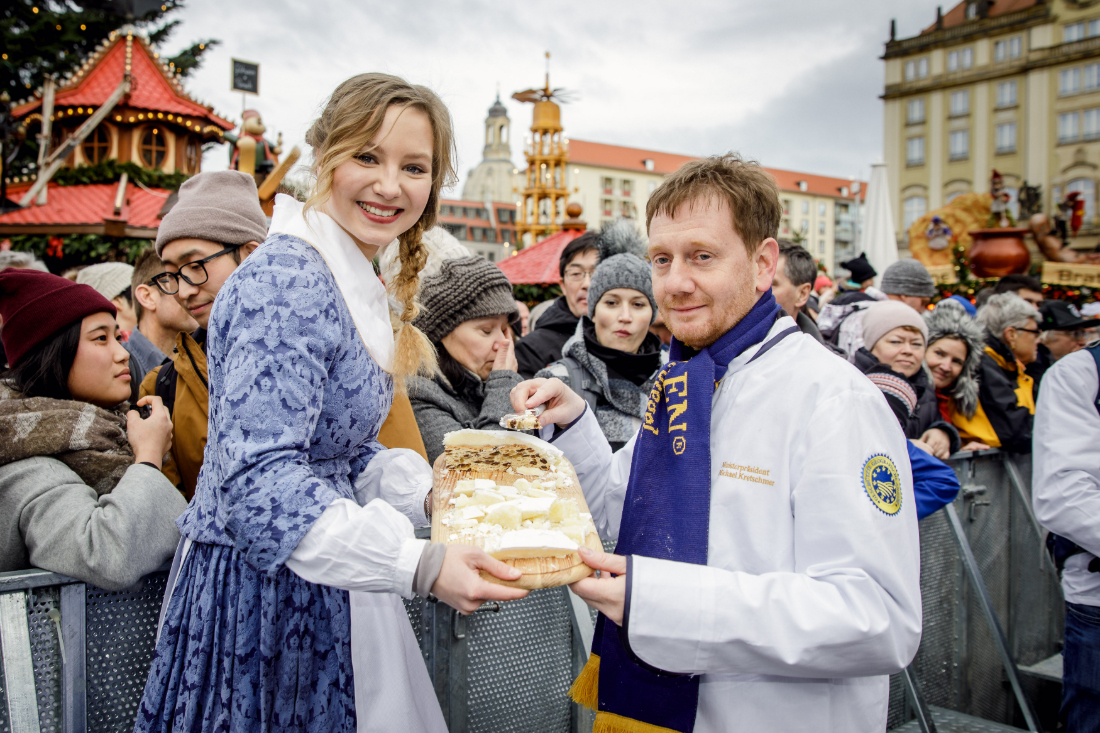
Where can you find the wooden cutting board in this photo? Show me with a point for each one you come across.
(538, 572)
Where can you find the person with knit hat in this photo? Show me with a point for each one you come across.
(466, 311)
(112, 281)
(841, 321)
(953, 358)
(897, 338)
(81, 492)
(612, 359)
(216, 223)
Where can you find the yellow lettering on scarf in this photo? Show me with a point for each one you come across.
(677, 385)
(674, 411)
(651, 409)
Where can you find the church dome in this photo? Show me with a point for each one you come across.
(498, 110)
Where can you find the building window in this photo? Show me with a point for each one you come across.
(917, 69)
(960, 103)
(506, 236)
(805, 226)
(1091, 79)
(628, 187)
(626, 209)
(97, 146)
(821, 227)
(805, 207)
(952, 196)
(608, 207)
(914, 151)
(608, 186)
(457, 230)
(1069, 127)
(1010, 48)
(958, 145)
(961, 59)
(1006, 94)
(192, 153)
(821, 246)
(1069, 81)
(1090, 124)
(914, 112)
(786, 207)
(1006, 138)
(821, 208)
(651, 187)
(153, 147)
(1087, 188)
(491, 256)
(972, 11)
(649, 164)
(914, 208)
(1073, 32)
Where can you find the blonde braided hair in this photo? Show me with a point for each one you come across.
(350, 120)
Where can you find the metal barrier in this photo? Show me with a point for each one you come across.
(977, 633)
(508, 666)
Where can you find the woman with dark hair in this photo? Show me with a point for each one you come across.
(81, 492)
(954, 358)
(466, 311)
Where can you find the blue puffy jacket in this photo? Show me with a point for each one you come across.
(934, 483)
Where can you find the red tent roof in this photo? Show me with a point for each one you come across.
(86, 206)
(538, 264)
(153, 86)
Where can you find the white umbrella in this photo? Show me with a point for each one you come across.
(878, 240)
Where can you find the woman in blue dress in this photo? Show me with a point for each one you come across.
(285, 612)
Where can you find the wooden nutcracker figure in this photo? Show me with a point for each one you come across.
(251, 152)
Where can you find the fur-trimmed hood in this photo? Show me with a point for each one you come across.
(950, 319)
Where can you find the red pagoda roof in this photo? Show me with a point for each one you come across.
(87, 209)
(153, 86)
(538, 264)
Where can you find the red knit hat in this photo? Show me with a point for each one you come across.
(36, 305)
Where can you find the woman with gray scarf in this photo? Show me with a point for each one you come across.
(612, 360)
(466, 311)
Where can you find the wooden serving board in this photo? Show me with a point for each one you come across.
(538, 572)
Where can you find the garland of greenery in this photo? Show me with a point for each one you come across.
(110, 171)
(61, 252)
(532, 295)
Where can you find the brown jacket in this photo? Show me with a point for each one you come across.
(189, 414)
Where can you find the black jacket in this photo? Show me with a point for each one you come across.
(1005, 399)
(542, 346)
(917, 411)
(1038, 368)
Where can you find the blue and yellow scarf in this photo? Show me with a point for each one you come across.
(666, 515)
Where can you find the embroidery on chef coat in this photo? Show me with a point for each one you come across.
(882, 483)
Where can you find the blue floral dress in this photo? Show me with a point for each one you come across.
(297, 403)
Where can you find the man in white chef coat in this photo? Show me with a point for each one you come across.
(1066, 496)
(768, 567)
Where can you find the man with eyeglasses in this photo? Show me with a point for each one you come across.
(1064, 331)
(559, 322)
(216, 223)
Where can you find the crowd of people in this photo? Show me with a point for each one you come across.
(253, 402)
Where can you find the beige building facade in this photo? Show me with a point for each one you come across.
(613, 182)
(1011, 85)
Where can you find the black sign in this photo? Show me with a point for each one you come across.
(246, 77)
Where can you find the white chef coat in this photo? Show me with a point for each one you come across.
(811, 592)
(1065, 477)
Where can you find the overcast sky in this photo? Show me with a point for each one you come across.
(792, 83)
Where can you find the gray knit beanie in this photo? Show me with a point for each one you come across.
(908, 277)
(109, 279)
(465, 288)
(219, 206)
(621, 271)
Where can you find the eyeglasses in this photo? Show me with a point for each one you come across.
(576, 275)
(194, 273)
(1029, 330)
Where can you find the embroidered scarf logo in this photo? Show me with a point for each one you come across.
(666, 515)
